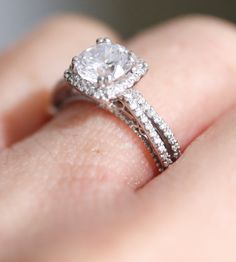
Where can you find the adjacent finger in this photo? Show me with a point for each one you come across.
(192, 72)
(30, 69)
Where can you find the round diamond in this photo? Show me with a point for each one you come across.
(104, 61)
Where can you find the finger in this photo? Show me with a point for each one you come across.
(29, 70)
(191, 206)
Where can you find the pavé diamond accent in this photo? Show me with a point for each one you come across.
(135, 98)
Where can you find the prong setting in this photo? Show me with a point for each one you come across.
(103, 40)
(102, 81)
(75, 59)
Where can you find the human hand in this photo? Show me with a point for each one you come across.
(64, 197)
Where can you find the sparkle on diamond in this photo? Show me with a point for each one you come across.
(106, 60)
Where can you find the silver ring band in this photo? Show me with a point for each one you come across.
(118, 96)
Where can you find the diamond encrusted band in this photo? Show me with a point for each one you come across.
(106, 74)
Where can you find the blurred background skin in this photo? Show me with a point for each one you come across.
(17, 17)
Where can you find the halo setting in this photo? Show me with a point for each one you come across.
(105, 70)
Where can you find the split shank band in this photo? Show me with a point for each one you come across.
(106, 74)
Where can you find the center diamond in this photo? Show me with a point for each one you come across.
(104, 61)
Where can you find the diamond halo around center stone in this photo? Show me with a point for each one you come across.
(107, 61)
(105, 71)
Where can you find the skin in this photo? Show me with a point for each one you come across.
(69, 194)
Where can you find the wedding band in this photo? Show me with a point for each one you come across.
(106, 74)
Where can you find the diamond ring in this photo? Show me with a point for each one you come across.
(106, 74)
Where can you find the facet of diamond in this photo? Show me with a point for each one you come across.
(104, 61)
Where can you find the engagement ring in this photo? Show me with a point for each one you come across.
(106, 74)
